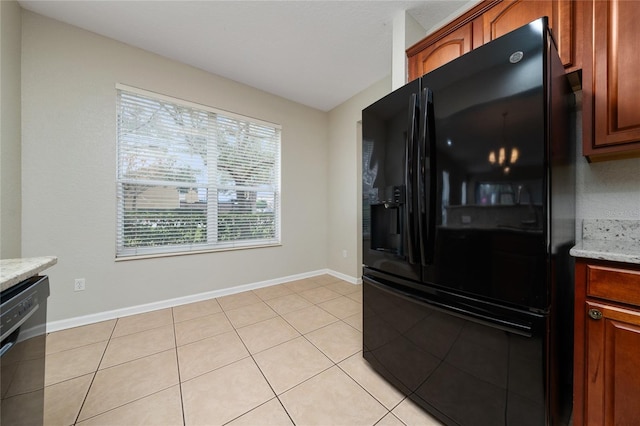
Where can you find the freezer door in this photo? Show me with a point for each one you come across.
(491, 181)
(389, 190)
(463, 367)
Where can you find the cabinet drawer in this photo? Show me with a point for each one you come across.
(620, 285)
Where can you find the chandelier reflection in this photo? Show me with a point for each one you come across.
(505, 157)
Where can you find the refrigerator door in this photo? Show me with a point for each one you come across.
(389, 197)
(454, 359)
(490, 188)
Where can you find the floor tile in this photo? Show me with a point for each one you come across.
(270, 413)
(124, 383)
(332, 398)
(309, 319)
(209, 354)
(266, 334)
(409, 413)
(360, 371)
(224, 394)
(238, 300)
(251, 314)
(138, 345)
(302, 285)
(341, 307)
(319, 294)
(337, 340)
(344, 287)
(66, 365)
(390, 420)
(271, 292)
(223, 361)
(161, 408)
(291, 363)
(141, 322)
(63, 400)
(289, 303)
(354, 321)
(200, 328)
(355, 296)
(196, 310)
(79, 336)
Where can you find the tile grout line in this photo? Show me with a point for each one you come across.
(259, 369)
(337, 364)
(389, 411)
(95, 373)
(116, 365)
(258, 366)
(235, 329)
(175, 341)
(304, 335)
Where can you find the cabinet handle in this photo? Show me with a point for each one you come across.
(595, 314)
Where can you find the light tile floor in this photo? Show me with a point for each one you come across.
(280, 355)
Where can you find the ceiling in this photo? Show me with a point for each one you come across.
(317, 53)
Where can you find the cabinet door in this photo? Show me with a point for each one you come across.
(512, 14)
(610, 78)
(612, 370)
(442, 51)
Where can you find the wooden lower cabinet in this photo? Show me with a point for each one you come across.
(607, 344)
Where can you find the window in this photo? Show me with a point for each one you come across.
(193, 178)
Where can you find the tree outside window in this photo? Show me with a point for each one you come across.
(192, 178)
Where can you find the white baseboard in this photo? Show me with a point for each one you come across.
(343, 277)
(148, 307)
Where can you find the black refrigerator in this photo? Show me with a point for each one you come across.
(468, 194)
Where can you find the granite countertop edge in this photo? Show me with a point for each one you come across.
(609, 239)
(14, 271)
(615, 251)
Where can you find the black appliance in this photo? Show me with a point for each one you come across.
(468, 218)
(23, 314)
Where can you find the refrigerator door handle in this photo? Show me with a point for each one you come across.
(459, 311)
(409, 229)
(426, 183)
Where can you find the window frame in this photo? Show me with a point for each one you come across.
(213, 187)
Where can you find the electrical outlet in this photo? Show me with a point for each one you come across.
(344, 253)
(79, 284)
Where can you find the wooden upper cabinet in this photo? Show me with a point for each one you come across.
(442, 51)
(491, 19)
(611, 105)
(512, 14)
(449, 42)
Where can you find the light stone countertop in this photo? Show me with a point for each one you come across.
(613, 240)
(14, 271)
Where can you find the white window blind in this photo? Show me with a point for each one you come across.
(193, 178)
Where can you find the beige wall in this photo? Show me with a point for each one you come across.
(68, 157)
(345, 182)
(10, 195)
